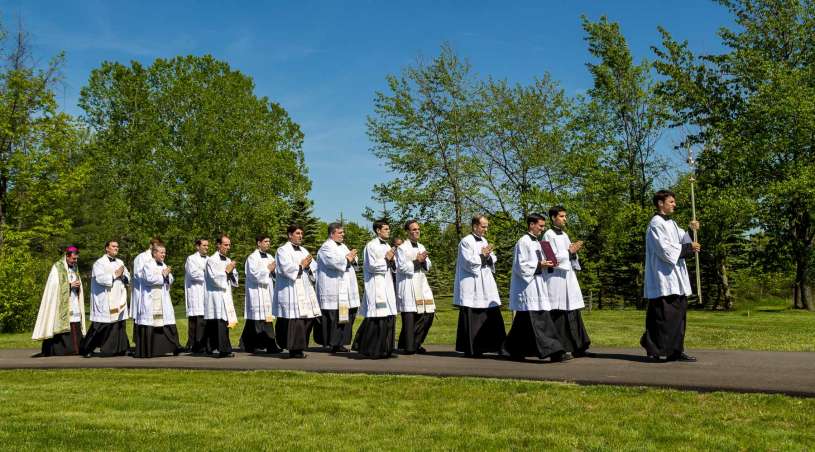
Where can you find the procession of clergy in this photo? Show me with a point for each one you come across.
(290, 295)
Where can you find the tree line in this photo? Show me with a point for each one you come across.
(459, 144)
(183, 148)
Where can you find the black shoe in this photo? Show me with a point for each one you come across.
(297, 355)
(273, 351)
(226, 355)
(682, 357)
(653, 358)
(87, 355)
(562, 357)
(339, 349)
(421, 350)
(178, 351)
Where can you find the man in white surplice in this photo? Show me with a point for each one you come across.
(219, 308)
(667, 285)
(195, 292)
(258, 330)
(532, 332)
(135, 286)
(155, 333)
(337, 291)
(480, 323)
(109, 279)
(414, 298)
(295, 302)
(375, 336)
(564, 290)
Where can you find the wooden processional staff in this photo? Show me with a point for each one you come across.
(692, 179)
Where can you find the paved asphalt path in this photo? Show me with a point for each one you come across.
(791, 373)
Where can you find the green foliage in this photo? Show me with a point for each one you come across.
(421, 129)
(183, 148)
(22, 277)
(753, 108)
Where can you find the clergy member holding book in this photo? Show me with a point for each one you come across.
(565, 295)
(532, 332)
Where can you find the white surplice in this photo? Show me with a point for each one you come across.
(295, 297)
(475, 286)
(135, 286)
(259, 287)
(527, 288)
(195, 290)
(336, 277)
(412, 289)
(218, 302)
(155, 307)
(108, 293)
(665, 269)
(564, 290)
(380, 296)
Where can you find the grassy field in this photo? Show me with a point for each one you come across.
(768, 327)
(172, 409)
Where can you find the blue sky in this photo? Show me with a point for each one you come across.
(323, 60)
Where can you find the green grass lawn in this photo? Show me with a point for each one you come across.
(205, 410)
(768, 327)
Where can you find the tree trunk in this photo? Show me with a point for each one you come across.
(726, 296)
(802, 291)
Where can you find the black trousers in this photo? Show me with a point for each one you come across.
(665, 322)
(330, 333)
(533, 334)
(258, 335)
(196, 334)
(155, 341)
(415, 327)
(217, 336)
(571, 330)
(110, 338)
(66, 343)
(292, 334)
(480, 330)
(375, 337)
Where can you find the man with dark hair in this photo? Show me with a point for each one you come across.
(375, 337)
(414, 298)
(155, 333)
(109, 280)
(337, 291)
(480, 323)
(565, 295)
(667, 285)
(135, 287)
(532, 332)
(195, 293)
(61, 319)
(219, 308)
(295, 302)
(258, 330)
